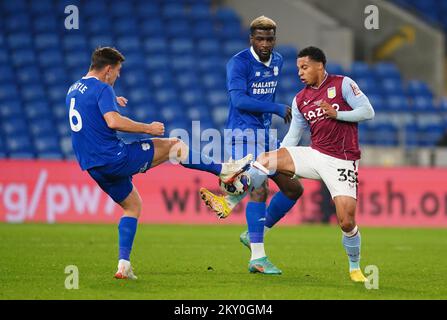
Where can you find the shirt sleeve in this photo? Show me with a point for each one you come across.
(296, 128)
(107, 100)
(236, 75)
(357, 100)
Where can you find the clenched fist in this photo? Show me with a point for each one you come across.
(156, 128)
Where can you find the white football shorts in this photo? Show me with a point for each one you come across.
(339, 176)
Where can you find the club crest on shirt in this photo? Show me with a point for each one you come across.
(331, 93)
(145, 146)
(276, 70)
(258, 74)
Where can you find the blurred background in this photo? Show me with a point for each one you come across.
(176, 51)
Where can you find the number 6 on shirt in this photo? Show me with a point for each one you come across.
(74, 113)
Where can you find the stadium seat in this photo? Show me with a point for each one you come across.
(37, 110)
(191, 97)
(148, 10)
(6, 74)
(19, 22)
(288, 52)
(386, 70)
(27, 75)
(33, 92)
(41, 6)
(217, 98)
(46, 41)
(128, 43)
(50, 58)
(397, 102)
(232, 47)
(155, 45)
(10, 109)
(8, 92)
(23, 57)
(208, 47)
(184, 80)
(335, 68)
(41, 127)
(20, 144)
(181, 46)
(15, 126)
(74, 42)
(45, 23)
(418, 88)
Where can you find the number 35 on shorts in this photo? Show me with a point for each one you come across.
(348, 175)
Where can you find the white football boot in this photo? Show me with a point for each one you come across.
(125, 271)
(233, 168)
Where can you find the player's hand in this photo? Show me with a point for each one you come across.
(328, 109)
(122, 102)
(288, 116)
(156, 128)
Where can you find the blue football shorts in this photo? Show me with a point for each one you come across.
(116, 178)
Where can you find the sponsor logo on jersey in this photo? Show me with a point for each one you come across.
(331, 92)
(355, 89)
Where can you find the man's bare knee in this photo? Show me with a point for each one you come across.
(295, 192)
(259, 195)
(347, 224)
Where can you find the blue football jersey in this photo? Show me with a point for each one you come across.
(259, 81)
(94, 143)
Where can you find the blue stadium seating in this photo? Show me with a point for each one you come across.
(169, 45)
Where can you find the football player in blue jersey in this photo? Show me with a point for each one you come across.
(94, 119)
(252, 78)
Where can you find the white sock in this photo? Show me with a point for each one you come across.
(257, 250)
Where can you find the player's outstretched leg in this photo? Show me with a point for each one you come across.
(177, 151)
(126, 230)
(266, 164)
(223, 205)
(351, 239)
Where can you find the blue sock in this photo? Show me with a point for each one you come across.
(352, 247)
(255, 214)
(196, 160)
(126, 229)
(278, 207)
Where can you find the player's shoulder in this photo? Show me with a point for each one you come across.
(242, 56)
(240, 60)
(277, 56)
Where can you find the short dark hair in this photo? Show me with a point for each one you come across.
(316, 54)
(105, 56)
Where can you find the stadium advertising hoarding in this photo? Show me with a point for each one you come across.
(59, 192)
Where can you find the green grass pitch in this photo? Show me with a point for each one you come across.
(208, 262)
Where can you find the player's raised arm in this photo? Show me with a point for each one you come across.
(296, 128)
(237, 87)
(116, 121)
(357, 100)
